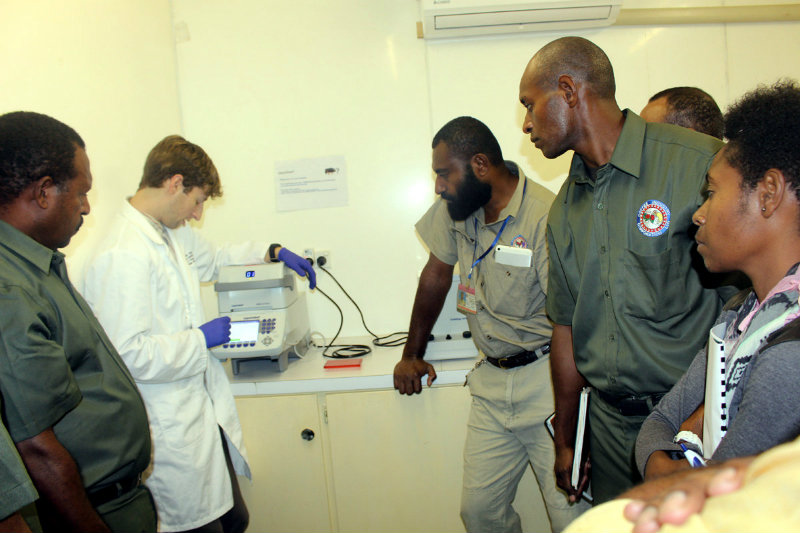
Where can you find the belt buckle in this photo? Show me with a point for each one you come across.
(633, 407)
(501, 363)
(542, 350)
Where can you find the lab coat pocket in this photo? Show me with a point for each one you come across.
(654, 286)
(182, 415)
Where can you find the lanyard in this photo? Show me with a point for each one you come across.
(494, 242)
(491, 246)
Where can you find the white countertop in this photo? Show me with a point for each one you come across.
(307, 375)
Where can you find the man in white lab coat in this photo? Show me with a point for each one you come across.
(142, 281)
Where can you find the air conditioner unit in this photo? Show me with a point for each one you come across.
(463, 18)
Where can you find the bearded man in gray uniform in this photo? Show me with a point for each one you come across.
(488, 203)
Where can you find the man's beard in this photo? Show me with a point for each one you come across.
(470, 195)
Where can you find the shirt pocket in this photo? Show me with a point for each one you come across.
(653, 287)
(507, 290)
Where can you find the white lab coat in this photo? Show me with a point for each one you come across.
(150, 306)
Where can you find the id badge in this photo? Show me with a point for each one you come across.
(465, 302)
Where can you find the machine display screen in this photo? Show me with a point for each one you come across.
(244, 331)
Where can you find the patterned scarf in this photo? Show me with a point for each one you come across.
(729, 354)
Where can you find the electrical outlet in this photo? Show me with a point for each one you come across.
(326, 254)
(308, 253)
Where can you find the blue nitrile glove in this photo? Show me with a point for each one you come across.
(217, 331)
(299, 265)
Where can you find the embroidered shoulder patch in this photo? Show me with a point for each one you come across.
(653, 218)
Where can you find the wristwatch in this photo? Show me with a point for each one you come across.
(271, 253)
(689, 437)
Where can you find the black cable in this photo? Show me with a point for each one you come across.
(344, 350)
(377, 340)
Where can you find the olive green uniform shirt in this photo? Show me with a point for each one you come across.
(16, 488)
(58, 369)
(621, 266)
(510, 299)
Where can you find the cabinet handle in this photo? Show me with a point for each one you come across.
(307, 434)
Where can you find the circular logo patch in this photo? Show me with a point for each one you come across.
(653, 218)
(519, 242)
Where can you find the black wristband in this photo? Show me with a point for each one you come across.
(271, 253)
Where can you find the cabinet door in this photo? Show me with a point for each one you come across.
(396, 460)
(288, 492)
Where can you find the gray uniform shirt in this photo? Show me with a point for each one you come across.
(511, 315)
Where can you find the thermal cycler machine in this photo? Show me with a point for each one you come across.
(269, 316)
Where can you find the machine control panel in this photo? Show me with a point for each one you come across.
(254, 336)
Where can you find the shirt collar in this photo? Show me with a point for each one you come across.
(627, 155)
(24, 246)
(149, 225)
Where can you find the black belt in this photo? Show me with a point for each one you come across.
(520, 359)
(631, 405)
(113, 491)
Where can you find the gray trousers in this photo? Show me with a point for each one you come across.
(505, 434)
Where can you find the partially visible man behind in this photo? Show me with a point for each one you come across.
(16, 488)
(689, 107)
(69, 402)
(630, 308)
(486, 202)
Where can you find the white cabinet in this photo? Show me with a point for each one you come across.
(289, 489)
(396, 460)
(381, 463)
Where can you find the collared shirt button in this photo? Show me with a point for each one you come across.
(602, 249)
(611, 337)
(606, 293)
(600, 205)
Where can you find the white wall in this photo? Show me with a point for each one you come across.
(104, 67)
(269, 81)
(257, 81)
(262, 82)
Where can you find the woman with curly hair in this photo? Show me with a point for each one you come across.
(741, 395)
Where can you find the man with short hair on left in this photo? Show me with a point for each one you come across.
(68, 400)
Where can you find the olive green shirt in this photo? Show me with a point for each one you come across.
(16, 488)
(511, 315)
(621, 267)
(58, 369)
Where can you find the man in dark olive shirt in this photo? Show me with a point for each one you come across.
(69, 403)
(629, 307)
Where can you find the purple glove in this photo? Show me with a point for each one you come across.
(217, 331)
(299, 265)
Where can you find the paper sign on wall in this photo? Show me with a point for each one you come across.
(311, 183)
